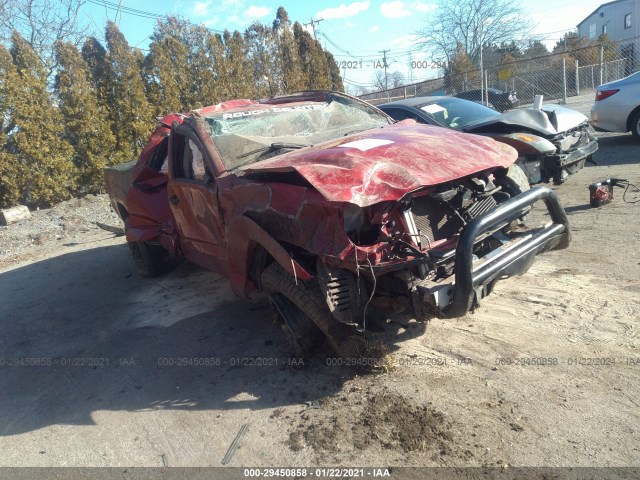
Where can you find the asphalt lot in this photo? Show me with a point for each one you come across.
(101, 367)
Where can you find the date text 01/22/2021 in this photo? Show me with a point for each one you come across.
(380, 64)
(316, 472)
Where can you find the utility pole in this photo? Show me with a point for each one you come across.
(313, 24)
(481, 68)
(384, 59)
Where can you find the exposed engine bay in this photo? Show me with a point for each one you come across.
(416, 241)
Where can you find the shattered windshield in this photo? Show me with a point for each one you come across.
(457, 113)
(245, 137)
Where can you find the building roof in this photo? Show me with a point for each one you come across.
(596, 10)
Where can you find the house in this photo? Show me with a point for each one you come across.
(619, 19)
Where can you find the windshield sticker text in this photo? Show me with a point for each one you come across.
(249, 113)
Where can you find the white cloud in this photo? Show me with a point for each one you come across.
(201, 8)
(374, 28)
(344, 11)
(257, 12)
(397, 9)
(423, 7)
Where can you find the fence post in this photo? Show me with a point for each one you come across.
(577, 78)
(601, 62)
(564, 80)
(486, 85)
(405, 92)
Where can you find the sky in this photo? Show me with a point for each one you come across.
(356, 32)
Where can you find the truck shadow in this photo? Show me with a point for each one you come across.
(83, 332)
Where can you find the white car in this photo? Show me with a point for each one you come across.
(617, 106)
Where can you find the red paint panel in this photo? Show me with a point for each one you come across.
(418, 156)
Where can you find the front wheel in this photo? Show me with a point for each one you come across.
(305, 316)
(296, 304)
(635, 125)
(515, 181)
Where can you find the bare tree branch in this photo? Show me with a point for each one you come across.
(42, 23)
(472, 23)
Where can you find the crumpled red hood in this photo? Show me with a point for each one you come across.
(387, 163)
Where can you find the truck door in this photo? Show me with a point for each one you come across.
(193, 199)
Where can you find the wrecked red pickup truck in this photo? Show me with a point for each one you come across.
(333, 209)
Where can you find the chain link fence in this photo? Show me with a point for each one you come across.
(557, 76)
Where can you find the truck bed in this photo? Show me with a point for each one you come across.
(117, 179)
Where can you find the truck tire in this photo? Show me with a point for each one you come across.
(515, 181)
(305, 315)
(149, 259)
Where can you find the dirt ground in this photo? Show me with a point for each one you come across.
(100, 367)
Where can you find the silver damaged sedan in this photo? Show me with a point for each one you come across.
(617, 106)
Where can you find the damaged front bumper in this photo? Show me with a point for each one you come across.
(560, 166)
(575, 155)
(474, 278)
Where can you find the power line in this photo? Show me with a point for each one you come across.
(351, 41)
(140, 13)
(128, 10)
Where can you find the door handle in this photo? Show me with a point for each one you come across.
(174, 199)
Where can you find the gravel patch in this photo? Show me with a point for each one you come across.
(65, 224)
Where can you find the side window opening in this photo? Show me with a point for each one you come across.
(191, 164)
(198, 168)
(159, 159)
(178, 142)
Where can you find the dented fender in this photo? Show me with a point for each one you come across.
(244, 235)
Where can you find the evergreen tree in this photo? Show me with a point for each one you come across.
(334, 73)
(238, 70)
(95, 56)
(313, 60)
(262, 52)
(9, 167)
(282, 20)
(291, 75)
(44, 172)
(130, 114)
(85, 127)
(180, 70)
(214, 90)
(203, 87)
(168, 69)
